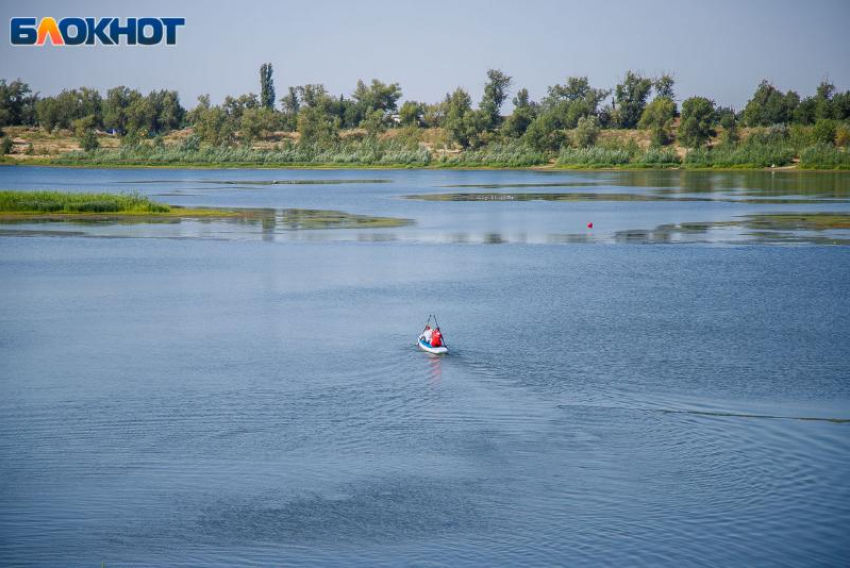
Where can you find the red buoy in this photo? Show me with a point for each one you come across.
(590, 225)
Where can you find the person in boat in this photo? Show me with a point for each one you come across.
(427, 334)
(436, 338)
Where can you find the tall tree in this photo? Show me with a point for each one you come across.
(212, 124)
(569, 102)
(373, 103)
(460, 119)
(291, 103)
(410, 113)
(69, 105)
(664, 86)
(266, 86)
(698, 120)
(658, 118)
(495, 94)
(318, 121)
(17, 103)
(115, 107)
(770, 106)
(524, 113)
(630, 97)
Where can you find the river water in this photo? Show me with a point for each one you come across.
(222, 393)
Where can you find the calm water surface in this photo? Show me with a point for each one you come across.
(245, 394)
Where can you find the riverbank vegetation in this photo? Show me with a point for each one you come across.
(637, 123)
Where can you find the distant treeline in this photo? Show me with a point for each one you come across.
(566, 124)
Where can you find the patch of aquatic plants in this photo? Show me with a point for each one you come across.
(301, 219)
(787, 228)
(65, 202)
(799, 221)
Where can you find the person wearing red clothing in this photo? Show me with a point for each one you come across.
(436, 338)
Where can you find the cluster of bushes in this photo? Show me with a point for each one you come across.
(368, 152)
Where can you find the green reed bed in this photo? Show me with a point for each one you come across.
(744, 156)
(511, 155)
(45, 202)
(601, 157)
(824, 156)
(593, 157)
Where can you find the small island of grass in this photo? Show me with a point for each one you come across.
(68, 206)
(62, 204)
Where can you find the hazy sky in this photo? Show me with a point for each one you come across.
(720, 49)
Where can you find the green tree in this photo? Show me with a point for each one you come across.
(88, 141)
(586, 132)
(212, 124)
(142, 116)
(664, 87)
(6, 145)
(82, 125)
(460, 122)
(266, 86)
(524, 112)
(316, 126)
(823, 100)
(367, 99)
(291, 104)
(698, 120)
(495, 94)
(170, 114)
(374, 122)
(66, 107)
(730, 135)
(410, 113)
(568, 102)
(317, 121)
(17, 103)
(841, 106)
(658, 118)
(115, 108)
(630, 99)
(236, 106)
(544, 133)
(824, 131)
(256, 123)
(769, 106)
